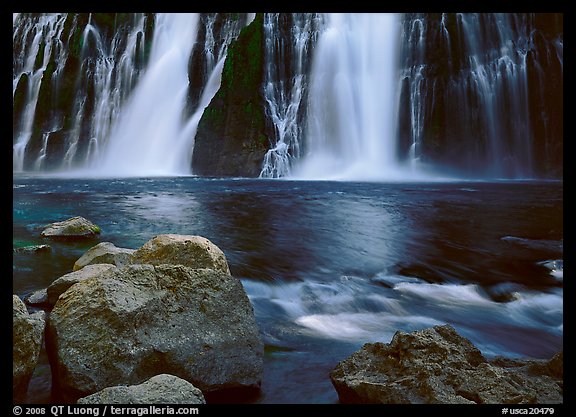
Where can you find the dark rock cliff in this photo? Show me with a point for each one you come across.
(232, 135)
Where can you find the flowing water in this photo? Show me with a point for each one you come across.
(145, 139)
(352, 102)
(329, 266)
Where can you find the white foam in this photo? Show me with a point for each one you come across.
(556, 268)
(446, 294)
(362, 326)
(354, 309)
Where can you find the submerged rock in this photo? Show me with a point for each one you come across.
(27, 331)
(556, 268)
(138, 321)
(62, 284)
(74, 228)
(190, 251)
(104, 253)
(160, 389)
(33, 249)
(437, 365)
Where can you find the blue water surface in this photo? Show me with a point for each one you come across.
(328, 265)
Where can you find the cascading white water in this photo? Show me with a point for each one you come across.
(284, 89)
(46, 32)
(499, 75)
(112, 81)
(145, 139)
(352, 99)
(111, 95)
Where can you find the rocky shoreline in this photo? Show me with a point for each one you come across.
(128, 326)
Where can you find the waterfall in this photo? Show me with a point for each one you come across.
(352, 99)
(112, 73)
(70, 82)
(287, 58)
(37, 37)
(349, 96)
(468, 99)
(145, 139)
(498, 77)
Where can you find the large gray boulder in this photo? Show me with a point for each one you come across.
(191, 251)
(138, 321)
(27, 331)
(62, 284)
(73, 228)
(437, 365)
(104, 253)
(160, 389)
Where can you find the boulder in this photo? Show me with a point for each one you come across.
(74, 228)
(62, 284)
(191, 251)
(131, 323)
(27, 331)
(104, 253)
(437, 365)
(160, 389)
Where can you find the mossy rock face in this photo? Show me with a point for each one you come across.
(232, 136)
(74, 228)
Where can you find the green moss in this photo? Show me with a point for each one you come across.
(244, 59)
(232, 131)
(214, 115)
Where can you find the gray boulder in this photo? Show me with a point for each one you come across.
(138, 321)
(160, 389)
(73, 228)
(190, 251)
(27, 331)
(437, 365)
(62, 284)
(104, 253)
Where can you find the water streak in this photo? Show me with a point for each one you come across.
(45, 32)
(352, 102)
(142, 142)
(287, 59)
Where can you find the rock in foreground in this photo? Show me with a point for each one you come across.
(132, 323)
(74, 228)
(62, 284)
(160, 389)
(27, 331)
(437, 365)
(190, 251)
(104, 253)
